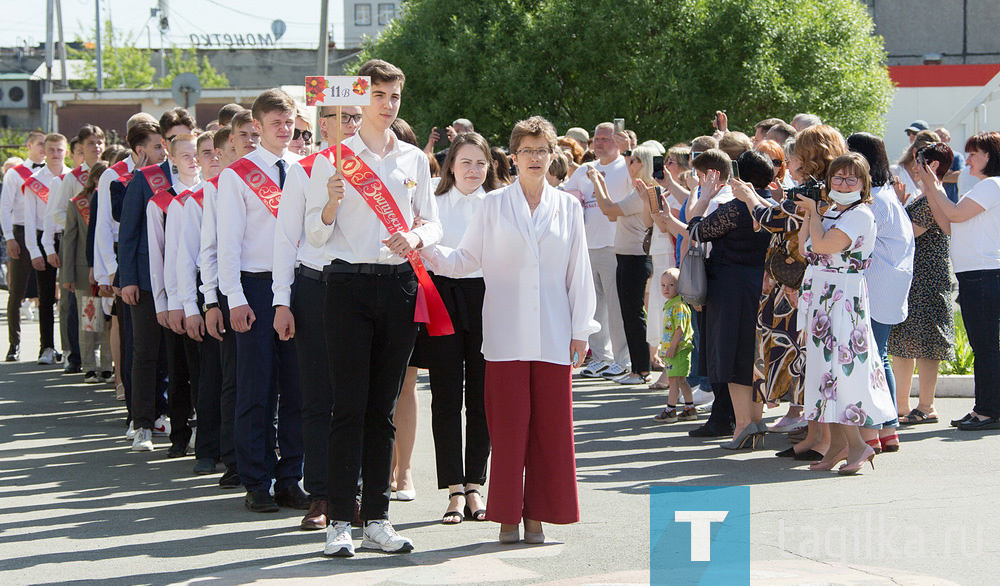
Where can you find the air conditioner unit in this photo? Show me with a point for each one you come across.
(14, 94)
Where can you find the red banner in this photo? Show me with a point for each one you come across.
(430, 308)
(257, 180)
(82, 203)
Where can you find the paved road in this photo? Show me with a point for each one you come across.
(76, 506)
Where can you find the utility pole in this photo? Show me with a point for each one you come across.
(62, 43)
(324, 38)
(100, 54)
(47, 111)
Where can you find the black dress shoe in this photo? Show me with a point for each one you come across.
(230, 478)
(14, 354)
(808, 456)
(178, 450)
(260, 501)
(706, 431)
(72, 369)
(957, 422)
(292, 497)
(204, 466)
(976, 424)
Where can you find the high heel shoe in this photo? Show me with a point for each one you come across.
(454, 517)
(886, 446)
(868, 455)
(748, 437)
(478, 514)
(511, 536)
(828, 465)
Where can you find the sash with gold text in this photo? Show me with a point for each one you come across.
(263, 186)
(81, 175)
(82, 204)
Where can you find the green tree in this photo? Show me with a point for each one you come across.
(186, 61)
(663, 66)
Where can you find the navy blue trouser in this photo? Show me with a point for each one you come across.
(267, 382)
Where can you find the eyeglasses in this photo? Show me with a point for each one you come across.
(305, 134)
(534, 153)
(777, 163)
(851, 181)
(345, 118)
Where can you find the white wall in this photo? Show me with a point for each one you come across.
(936, 106)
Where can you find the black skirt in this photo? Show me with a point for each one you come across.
(729, 335)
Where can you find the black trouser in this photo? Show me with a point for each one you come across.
(458, 370)
(208, 405)
(308, 296)
(632, 274)
(369, 335)
(979, 296)
(227, 394)
(20, 269)
(147, 338)
(182, 377)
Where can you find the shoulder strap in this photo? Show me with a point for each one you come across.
(257, 180)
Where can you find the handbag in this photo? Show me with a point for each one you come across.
(785, 268)
(647, 240)
(692, 285)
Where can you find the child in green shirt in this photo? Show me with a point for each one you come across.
(675, 350)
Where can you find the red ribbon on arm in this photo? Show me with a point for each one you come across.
(430, 308)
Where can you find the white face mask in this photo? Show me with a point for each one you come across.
(845, 198)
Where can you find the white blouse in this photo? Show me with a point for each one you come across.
(539, 287)
(455, 212)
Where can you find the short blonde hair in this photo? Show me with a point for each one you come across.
(535, 126)
(673, 273)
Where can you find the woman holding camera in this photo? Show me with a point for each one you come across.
(845, 384)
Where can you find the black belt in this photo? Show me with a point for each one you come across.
(367, 268)
(266, 275)
(310, 273)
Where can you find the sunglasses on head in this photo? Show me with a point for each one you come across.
(305, 134)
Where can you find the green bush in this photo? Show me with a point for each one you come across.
(964, 359)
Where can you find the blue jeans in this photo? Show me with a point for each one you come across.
(979, 297)
(881, 332)
(697, 377)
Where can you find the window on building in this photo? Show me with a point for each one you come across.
(386, 12)
(362, 15)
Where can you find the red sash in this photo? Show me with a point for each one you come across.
(263, 186)
(82, 203)
(162, 199)
(24, 172)
(38, 187)
(430, 308)
(215, 181)
(81, 175)
(199, 197)
(156, 178)
(307, 162)
(121, 167)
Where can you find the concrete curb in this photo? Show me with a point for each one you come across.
(951, 385)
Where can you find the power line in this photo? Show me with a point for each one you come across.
(244, 13)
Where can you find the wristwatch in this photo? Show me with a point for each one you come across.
(208, 306)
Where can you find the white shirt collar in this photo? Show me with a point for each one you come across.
(455, 194)
(267, 156)
(356, 144)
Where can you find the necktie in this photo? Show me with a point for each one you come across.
(281, 173)
(37, 165)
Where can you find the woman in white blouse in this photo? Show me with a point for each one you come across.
(528, 239)
(456, 363)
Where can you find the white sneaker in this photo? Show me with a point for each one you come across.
(48, 356)
(339, 542)
(130, 434)
(594, 368)
(161, 427)
(91, 378)
(143, 441)
(701, 397)
(27, 313)
(614, 370)
(381, 535)
(633, 378)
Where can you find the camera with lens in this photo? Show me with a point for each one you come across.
(811, 189)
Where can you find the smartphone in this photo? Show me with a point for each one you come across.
(442, 140)
(736, 170)
(658, 167)
(619, 125)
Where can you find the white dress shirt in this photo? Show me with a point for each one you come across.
(34, 208)
(456, 210)
(55, 210)
(157, 245)
(12, 200)
(246, 236)
(208, 258)
(290, 245)
(891, 271)
(540, 291)
(188, 254)
(106, 228)
(356, 234)
(174, 229)
(600, 230)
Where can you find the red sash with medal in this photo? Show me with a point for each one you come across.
(82, 203)
(157, 179)
(40, 189)
(263, 186)
(81, 175)
(430, 308)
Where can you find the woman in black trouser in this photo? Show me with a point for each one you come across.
(974, 224)
(632, 220)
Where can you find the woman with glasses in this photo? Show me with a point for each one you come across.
(845, 384)
(301, 143)
(529, 242)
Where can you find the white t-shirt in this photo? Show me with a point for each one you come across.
(975, 243)
(662, 242)
(600, 230)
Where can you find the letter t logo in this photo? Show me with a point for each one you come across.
(701, 531)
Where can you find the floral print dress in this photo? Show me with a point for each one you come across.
(844, 379)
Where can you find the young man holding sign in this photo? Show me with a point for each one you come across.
(371, 295)
(249, 192)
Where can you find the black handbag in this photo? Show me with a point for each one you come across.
(784, 268)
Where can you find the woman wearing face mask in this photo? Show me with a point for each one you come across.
(455, 363)
(845, 384)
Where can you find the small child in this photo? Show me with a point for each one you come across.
(675, 350)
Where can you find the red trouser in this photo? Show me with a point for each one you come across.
(529, 411)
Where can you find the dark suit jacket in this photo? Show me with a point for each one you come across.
(133, 243)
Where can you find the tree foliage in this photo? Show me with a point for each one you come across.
(665, 67)
(127, 66)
